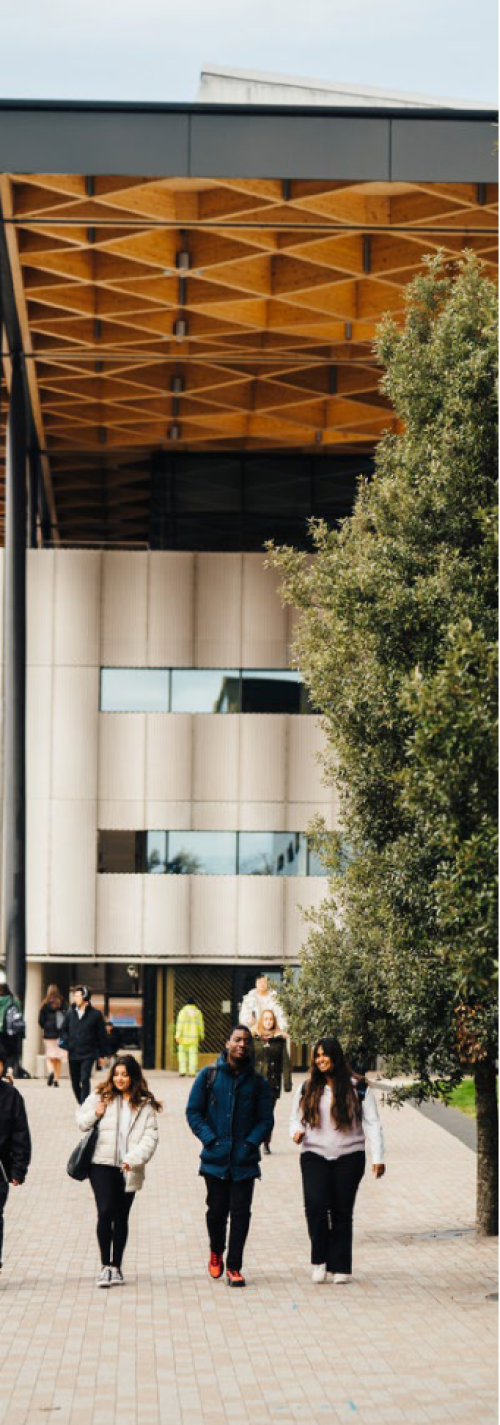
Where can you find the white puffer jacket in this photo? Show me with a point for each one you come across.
(142, 1137)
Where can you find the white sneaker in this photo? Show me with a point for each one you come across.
(104, 1278)
(319, 1274)
(342, 1278)
(116, 1276)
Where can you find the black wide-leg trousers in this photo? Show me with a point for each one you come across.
(233, 1200)
(330, 1186)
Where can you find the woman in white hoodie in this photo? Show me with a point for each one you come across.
(332, 1114)
(126, 1112)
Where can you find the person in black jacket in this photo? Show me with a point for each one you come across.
(84, 1035)
(15, 1142)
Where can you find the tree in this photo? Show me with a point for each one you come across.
(397, 645)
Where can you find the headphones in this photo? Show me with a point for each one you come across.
(85, 992)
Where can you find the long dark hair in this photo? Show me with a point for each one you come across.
(346, 1108)
(139, 1092)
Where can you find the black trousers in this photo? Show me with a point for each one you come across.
(233, 1200)
(79, 1072)
(113, 1207)
(4, 1193)
(330, 1186)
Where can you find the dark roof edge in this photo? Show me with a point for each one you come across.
(96, 106)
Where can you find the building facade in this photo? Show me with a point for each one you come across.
(165, 824)
(188, 371)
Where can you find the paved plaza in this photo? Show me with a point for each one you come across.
(413, 1338)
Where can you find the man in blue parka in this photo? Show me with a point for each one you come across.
(230, 1110)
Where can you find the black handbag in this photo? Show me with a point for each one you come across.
(79, 1161)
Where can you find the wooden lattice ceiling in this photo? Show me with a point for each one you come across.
(262, 340)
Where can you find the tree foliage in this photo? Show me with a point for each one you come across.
(397, 645)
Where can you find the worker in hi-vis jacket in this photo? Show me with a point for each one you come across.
(188, 1032)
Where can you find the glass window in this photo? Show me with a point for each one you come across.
(266, 690)
(201, 853)
(272, 853)
(315, 865)
(135, 689)
(120, 852)
(211, 853)
(205, 690)
(156, 852)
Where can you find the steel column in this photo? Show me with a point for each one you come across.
(14, 812)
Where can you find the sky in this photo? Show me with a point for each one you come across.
(155, 49)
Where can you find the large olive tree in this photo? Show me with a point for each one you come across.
(397, 645)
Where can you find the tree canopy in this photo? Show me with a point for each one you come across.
(397, 643)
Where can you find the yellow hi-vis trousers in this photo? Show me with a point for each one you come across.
(188, 1059)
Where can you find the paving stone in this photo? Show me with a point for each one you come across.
(412, 1339)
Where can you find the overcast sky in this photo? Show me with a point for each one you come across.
(155, 49)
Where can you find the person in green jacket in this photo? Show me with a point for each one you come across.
(188, 1032)
(10, 1041)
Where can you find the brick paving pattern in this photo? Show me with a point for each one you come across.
(411, 1339)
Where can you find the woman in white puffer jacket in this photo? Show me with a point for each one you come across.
(126, 1112)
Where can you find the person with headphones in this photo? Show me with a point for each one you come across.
(83, 1034)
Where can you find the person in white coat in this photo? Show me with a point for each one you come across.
(256, 1001)
(126, 1112)
(332, 1114)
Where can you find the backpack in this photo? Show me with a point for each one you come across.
(14, 1022)
(210, 1078)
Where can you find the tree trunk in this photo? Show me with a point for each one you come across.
(487, 1148)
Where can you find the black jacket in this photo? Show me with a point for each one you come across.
(47, 1020)
(15, 1141)
(86, 1037)
(272, 1060)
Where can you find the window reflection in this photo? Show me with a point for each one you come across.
(209, 853)
(203, 690)
(156, 852)
(265, 690)
(135, 689)
(315, 866)
(201, 853)
(209, 690)
(272, 853)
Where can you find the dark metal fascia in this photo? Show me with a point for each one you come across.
(97, 106)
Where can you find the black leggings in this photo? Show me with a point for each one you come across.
(330, 1186)
(113, 1207)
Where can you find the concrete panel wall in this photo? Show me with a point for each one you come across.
(171, 610)
(77, 589)
(122, 756)
(130, 771)
(218, 610)
(124, 610)
(264, 640)
(73, 878)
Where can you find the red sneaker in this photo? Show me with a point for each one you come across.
(215, 1265)
(234, 1278)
